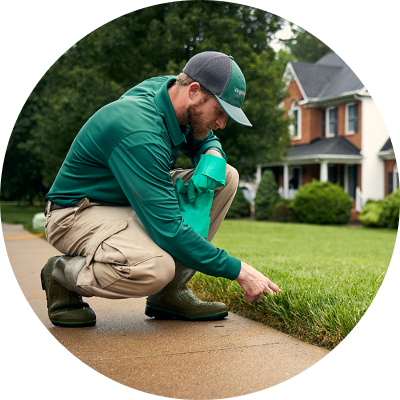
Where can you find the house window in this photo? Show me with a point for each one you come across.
(295, 113)
(351, 118)
(332, 122)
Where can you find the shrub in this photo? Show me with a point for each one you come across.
(282, 211)
(266, 196)
(322, 203)
(240, 207)
(390, 210)
(370, 214)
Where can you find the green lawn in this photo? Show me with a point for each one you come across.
(329, 275)
(12, 213)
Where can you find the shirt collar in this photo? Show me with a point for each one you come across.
(163, 101)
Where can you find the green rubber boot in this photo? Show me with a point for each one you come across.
(64, 300)
(177, 301)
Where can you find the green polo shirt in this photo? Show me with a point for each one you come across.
(123, 155)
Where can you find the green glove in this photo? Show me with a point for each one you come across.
(208, 175)
(195, 213)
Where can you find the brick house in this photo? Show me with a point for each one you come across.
(338, 134)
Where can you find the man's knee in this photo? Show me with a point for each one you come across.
(161, 272)
(232, 176)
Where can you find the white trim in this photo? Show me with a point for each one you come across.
(327, 126)
(387, 154)
(285, 181)
(346, 119)
(339, 159)
(290, 69)
(395, 172)
(295, 107)
(319, 157)
(317, 101)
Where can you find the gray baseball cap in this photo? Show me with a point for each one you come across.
(220, 75)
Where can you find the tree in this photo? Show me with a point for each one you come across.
(65, 110)
(155, 41)
(21, 177)
(266, 195)
(240, 207)
(306, 47)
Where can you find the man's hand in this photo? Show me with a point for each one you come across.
(254, 283)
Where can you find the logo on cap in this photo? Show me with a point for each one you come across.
(238, 91)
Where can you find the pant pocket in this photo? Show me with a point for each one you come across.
(58, 224)
(126, 249)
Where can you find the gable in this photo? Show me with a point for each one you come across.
(329, 77)
(315, 79)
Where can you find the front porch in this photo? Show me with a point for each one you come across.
(291, 176)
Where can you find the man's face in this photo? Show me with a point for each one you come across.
(205, 116)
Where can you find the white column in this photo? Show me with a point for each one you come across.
(285, 181)
(258, 175)
(323, 175)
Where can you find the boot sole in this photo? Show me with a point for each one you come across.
(159, 313)
(65, 324)
(73, 324)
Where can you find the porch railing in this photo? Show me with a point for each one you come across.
(288, 196)
(360, 201)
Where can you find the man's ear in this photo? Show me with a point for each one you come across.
(194, 90)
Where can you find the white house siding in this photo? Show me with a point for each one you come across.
(374, 136)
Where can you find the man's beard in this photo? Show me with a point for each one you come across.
(197, 123)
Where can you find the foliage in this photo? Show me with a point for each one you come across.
(282, 211)
(240, 207)
(370, 214)
(322, 203)
(153, 41)
(266, 195)
(382, 213)
(390, 210)
(12, 213)
(282, 58)
(306, 47)
(21, 178)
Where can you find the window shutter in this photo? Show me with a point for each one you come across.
(390, 186)
(323, 123)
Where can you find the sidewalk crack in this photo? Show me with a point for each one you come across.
(182, 353)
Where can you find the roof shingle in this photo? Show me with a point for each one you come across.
(337, 146)
(329, 77)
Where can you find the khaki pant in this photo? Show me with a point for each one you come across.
(122, 260)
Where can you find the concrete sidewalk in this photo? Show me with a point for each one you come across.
(178, 359)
